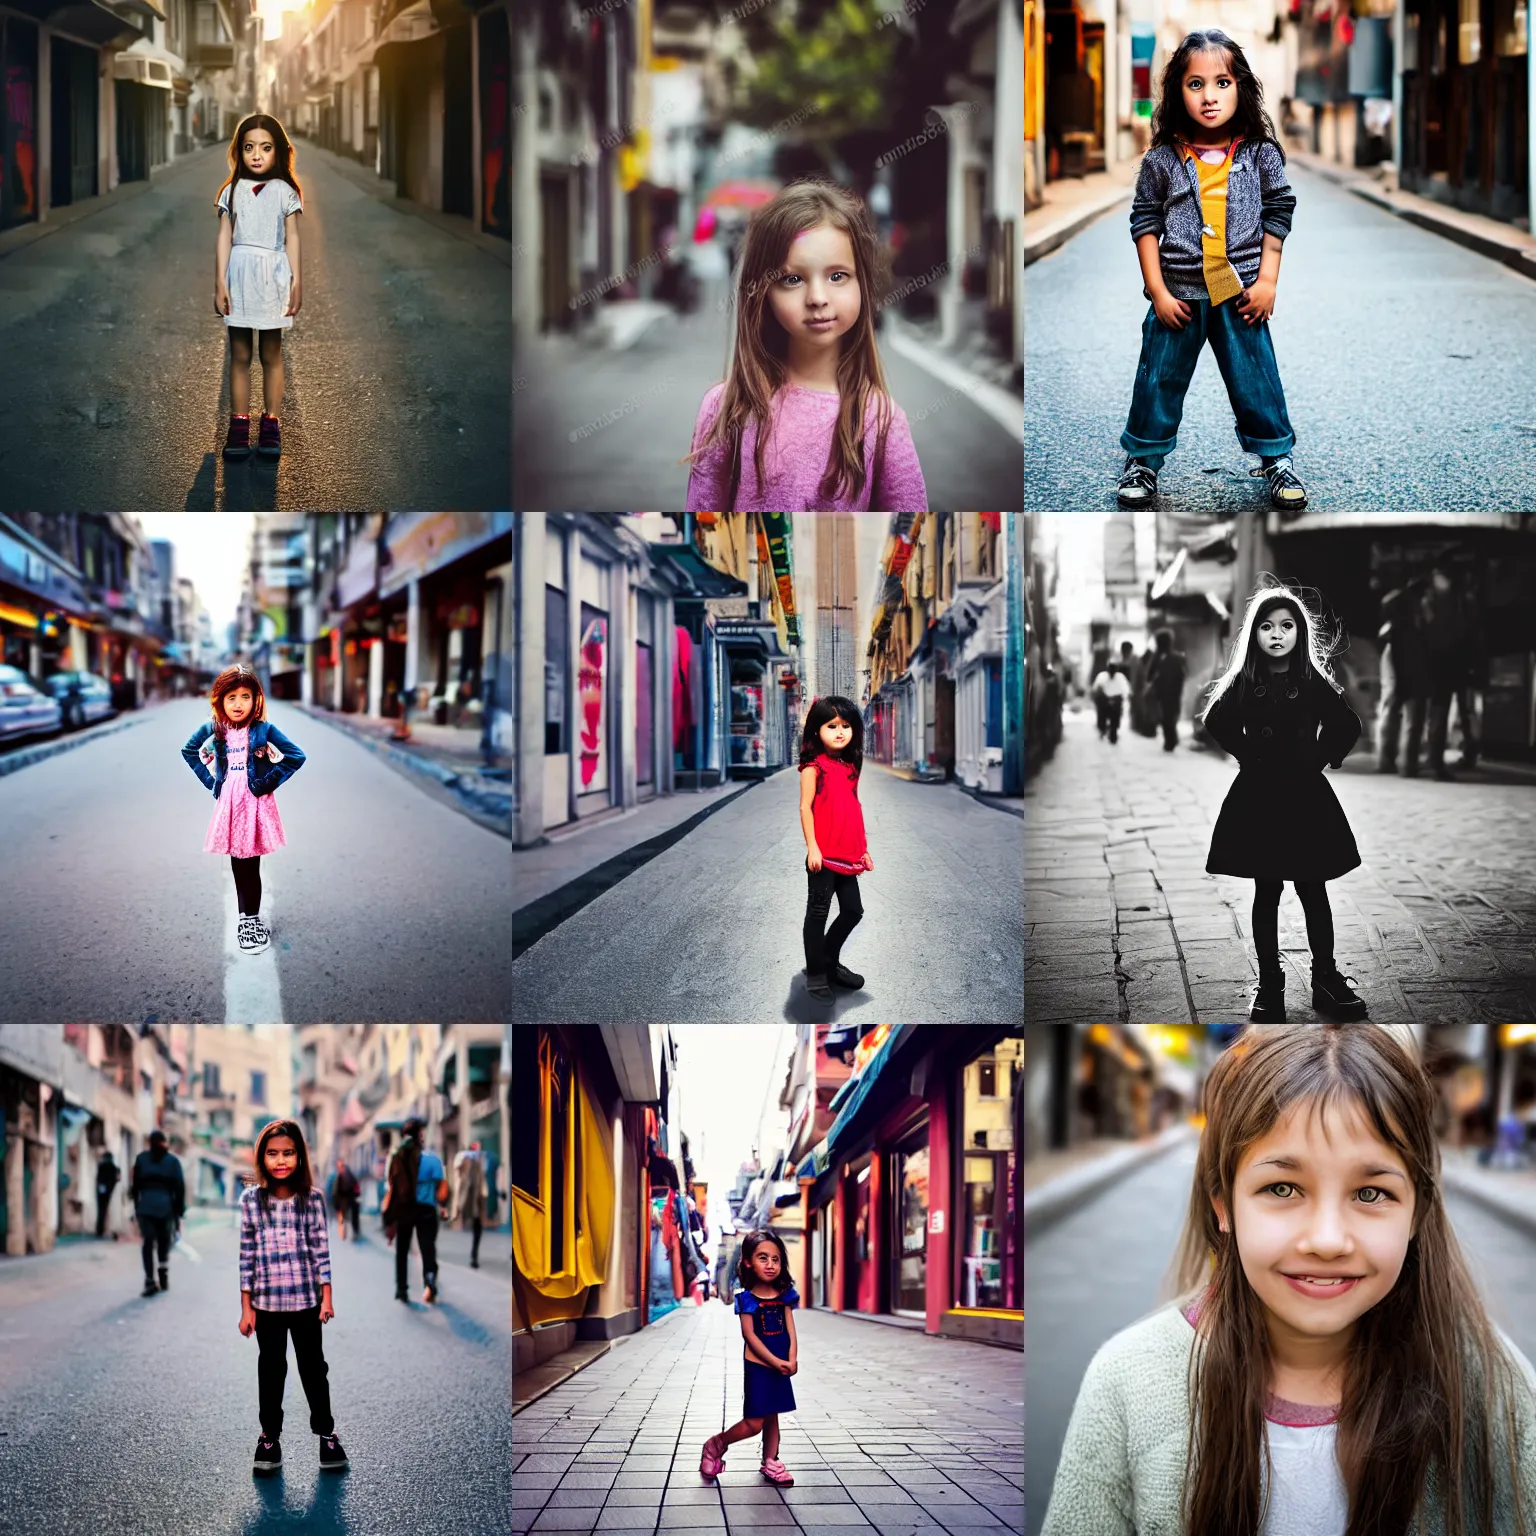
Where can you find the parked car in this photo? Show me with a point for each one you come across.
(85, 697)
(25, 708)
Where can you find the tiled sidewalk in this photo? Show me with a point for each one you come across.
(896, 1432)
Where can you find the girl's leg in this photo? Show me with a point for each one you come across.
(818, 902)
(771, 1437)
(248, 884)
(309, 1355)
(1246, 356)
(740, 1431)
(850, 910)
(239, 371)
(1167, 365)
(1266, 920)
(272, 372)
(1314, 902)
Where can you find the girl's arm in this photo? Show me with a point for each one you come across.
(794, 1338)
(1174, 313)
(755, 1345)
(1224, 724)
(221, 252)
(807, 821)
(291, 237)
(1341, 729)
(900, 487)
(709, 476)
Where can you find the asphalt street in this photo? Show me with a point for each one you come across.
(1438, 925)
(1098, 1271)
(116, 393)
(385, 904)
(606, 429)
(894, 1432)
(123, 1413)
(1405, 360)
(710, 930)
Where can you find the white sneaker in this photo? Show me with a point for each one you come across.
(253, 934)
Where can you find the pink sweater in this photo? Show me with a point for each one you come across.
(795, 458)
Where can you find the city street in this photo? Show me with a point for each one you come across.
(117, 394)
(608, 429)
(1404, 357)
(122, 1413)
(385, 904)
(894, 1432)
(1438, 925)
(710, 930)
(1098, 1270)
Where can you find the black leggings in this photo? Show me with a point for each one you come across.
(1313, 895)
(248, 884)
(823, 949)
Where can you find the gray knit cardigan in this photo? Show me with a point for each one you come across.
(1122, 1467)
(1167, 204)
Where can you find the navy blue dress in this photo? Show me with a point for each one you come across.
(766, 1391)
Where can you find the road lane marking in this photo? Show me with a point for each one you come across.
(253, 992)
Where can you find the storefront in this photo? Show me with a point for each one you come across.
(18, 121)
(749, 656)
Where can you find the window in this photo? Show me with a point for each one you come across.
(987, 1078)
(990, 1249)
(211, 1079)
(557, 667)
(258, 1087)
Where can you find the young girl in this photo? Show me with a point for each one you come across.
(285, 1287)
(1211, 209)
(256, 273)
(836, 854)
(1279, 712)
(240, 751)
(803, 420)
(765, 1306)
(1328, 1367)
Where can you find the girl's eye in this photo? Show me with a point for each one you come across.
(1376, 1188)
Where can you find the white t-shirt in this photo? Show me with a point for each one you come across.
(1309, 1496)
(1113, 685)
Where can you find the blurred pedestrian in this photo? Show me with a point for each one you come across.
(805, 372)
(1472, 677)
(107, 1176)
(1404, 679)
(159, 1195)
(243, 760)
(285, 1288)
(1278, 710)
(417, 1189)
(1144, 712)
(766, 1306)
(1114, 688)
(836, 852)
(1446, 640)
(346, 1200)
(1166, 678)
(469, 1193)
(1300, 1299)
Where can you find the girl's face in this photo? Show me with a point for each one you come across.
(259, 151)
(1307, 1205)
(764, 1263)
(836, 734)
(1275, 634)
(816, 295)
(1210, 92)
(281, 1157)
(238, 704)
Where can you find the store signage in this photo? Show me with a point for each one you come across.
(776, 527)
(936, 1221)
(753, 627)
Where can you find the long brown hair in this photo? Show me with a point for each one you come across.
(761, 348)
(237, 676)
(749, 1245)
(1425, 1364)
(282, 160)
(303, 1179)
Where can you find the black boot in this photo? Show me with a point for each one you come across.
(150, 1288)
(840, 976)
(817, 987)
(1331, 994)
(1269, 1000)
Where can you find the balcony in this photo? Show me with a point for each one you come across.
(211, 55)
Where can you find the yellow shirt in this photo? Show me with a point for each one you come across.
(1221, 279)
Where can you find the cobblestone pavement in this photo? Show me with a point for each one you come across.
(895, 1432)
(1123, 924)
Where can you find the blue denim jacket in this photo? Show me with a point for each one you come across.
(262, 776)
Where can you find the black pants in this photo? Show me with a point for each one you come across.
(1169, 711)
(272, 1330)
(1266, 920)
(824, 945)
(248, 884)
(103, 1205)
(156, 1231)
(1112, 709)
(474, 1244)
(422, 1219)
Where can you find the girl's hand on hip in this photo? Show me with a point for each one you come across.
(813, 857)
(1257, 304)
(1174, 313)
(295, 299)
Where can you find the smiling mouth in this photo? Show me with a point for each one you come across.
(821, 325)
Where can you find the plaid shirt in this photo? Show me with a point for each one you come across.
(285, 1256)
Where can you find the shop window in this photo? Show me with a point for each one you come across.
(989, 1247)
(557, 671)
(645, 705)
(592, 701)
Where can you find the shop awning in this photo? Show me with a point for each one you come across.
(849, 1101)
(702, 578)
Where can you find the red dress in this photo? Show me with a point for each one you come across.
(837, 817)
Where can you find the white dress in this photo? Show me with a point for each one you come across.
(259, 276)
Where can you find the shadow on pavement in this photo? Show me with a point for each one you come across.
(322, 1515)
(801, 1008)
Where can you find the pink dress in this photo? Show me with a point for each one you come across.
(244, 825)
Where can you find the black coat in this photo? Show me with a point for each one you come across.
(1280, 820)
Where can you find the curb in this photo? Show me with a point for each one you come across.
(1056, 237)
(1005, 409)
(1064, 1195)
(992, 802)
(44, 750)
(609, 1345)
(1518, 1215)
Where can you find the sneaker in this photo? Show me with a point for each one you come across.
(250, 934)
(1285, 491)
(841, 976)
(237, 445)
(1138, 484)
(150, 1288)
(1331, 995)
(332, 1457)
(817, 987)
(270, 442)
(269, 1456)
(429, 1294)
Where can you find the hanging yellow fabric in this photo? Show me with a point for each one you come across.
(1221, 279)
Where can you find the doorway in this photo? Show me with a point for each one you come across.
(74, 123)
(909, 1228)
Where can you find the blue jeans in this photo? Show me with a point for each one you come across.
(1246, 356)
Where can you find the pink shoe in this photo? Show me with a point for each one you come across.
(712, 1462)
(777, 1472)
